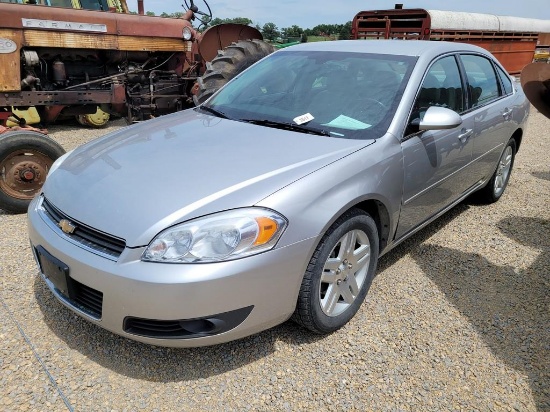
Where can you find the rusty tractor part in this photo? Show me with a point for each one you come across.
(67, 61)
(25, 158)
(97, 119)
(535, 80)
(512, 40)
(91, 64)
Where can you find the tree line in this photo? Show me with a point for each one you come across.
(271, 32)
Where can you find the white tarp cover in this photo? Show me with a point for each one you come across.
(457, 20)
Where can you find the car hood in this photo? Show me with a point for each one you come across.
(136, 182)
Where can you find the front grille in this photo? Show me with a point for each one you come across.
(86, 299)
(187, 328)
(84, 235)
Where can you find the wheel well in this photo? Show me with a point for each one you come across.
(518, 136)
(379, 213)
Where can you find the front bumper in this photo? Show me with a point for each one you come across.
(220, 302)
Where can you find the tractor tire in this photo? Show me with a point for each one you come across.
(227, 64)
(25, 159)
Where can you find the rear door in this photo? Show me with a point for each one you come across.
(435, 161)
(490, 102)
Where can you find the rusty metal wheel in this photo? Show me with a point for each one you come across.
(95, 120)
(25, 159)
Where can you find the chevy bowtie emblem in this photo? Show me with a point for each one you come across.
(66, 226)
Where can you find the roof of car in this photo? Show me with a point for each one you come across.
(398, 47)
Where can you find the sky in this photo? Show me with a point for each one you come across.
(309, 13)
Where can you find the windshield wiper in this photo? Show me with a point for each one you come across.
(213, 111)
(288, 126)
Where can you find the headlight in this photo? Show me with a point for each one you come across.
(222, 236)
(187, 34)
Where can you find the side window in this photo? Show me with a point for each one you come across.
(442, 86)
(482, 80)
(506, 81)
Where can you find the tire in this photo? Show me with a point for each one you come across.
(335, 283)
(493, 191)
(25, 159)
(227, 64)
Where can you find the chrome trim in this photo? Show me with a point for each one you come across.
(43, 215)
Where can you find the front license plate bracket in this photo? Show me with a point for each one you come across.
(55, 271)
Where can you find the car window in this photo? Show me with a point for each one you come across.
(350, 95)
(482, 80)
(506, 81)
(442, 86)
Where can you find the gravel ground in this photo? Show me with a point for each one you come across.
(458, 318)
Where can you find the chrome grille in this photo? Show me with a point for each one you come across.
(104, 244)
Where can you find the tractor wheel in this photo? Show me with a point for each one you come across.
(227, 64)
(25, 159)
(96, 120)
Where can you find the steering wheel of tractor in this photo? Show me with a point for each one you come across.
(206, 17)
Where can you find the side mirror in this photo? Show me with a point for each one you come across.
(439, 118)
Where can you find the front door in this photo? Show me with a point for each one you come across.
(435, 161)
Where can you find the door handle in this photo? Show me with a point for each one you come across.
(507, 113)
(465, 134)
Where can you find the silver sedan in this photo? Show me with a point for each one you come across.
(275, 198)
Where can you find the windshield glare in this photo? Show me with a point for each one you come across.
(349, 95)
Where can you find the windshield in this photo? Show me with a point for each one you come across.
(349, 95)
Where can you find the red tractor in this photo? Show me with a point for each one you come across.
(63, 61)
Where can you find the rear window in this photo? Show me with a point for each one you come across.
(482, 80)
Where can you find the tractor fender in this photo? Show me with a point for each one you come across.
(222, 35)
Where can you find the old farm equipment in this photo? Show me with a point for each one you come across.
(70, 62)
(535, 80)
(512, 40)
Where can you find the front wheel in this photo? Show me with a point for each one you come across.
(25, 159)
(496, 186)
(339, 274)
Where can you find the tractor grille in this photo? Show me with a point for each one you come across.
(106, 245)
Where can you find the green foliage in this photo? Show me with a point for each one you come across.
(345, 31)
(294, 31)
(270, 31)
(238, 20)
(341, 31)
(176, 15)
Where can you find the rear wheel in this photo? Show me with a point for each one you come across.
(339, 274)
(25, 159)
(496, 186)
(227, 64)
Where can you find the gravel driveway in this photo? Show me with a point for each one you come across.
(458, 318)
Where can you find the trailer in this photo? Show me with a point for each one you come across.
(512, 40)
